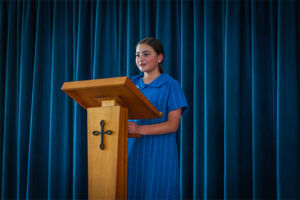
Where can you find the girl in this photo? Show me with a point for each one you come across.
(153, 168)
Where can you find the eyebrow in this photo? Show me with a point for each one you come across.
(145, 51)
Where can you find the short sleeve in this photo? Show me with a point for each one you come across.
(177, 98)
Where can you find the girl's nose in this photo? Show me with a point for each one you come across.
(141, 58)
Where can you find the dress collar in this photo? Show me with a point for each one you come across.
(158, 82)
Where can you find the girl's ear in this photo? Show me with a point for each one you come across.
(160, 58)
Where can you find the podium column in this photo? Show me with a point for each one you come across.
(107, 151)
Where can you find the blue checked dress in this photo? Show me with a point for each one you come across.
(153, 167)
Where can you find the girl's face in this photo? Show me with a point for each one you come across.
(147, 59)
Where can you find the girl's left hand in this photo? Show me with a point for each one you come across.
(134, 128)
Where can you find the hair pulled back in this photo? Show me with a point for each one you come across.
(157, 46)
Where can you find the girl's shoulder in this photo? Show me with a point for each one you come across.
(169, 78)
(171, 82)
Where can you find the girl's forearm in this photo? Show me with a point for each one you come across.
(169, 126)
(158, 129)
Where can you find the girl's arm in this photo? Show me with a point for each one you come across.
(169, 126)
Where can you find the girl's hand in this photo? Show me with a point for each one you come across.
(169, 126)
(134, 128)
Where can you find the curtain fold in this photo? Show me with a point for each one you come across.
(238, 63)
(288, 101)
(261, 115)
(38, 150)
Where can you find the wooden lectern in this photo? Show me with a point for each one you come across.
(110, 103)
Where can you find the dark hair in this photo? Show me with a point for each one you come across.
(157, 46)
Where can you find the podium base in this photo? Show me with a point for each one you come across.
(107, 167)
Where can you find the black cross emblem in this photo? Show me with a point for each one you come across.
(109, 132)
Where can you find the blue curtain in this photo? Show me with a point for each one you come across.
(238, 63)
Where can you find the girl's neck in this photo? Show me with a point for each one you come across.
(149, 77)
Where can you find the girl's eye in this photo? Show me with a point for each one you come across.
(144, 54)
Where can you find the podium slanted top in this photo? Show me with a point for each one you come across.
(87, 93)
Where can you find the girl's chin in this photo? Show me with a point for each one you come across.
(142, 69)
(145, 70)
